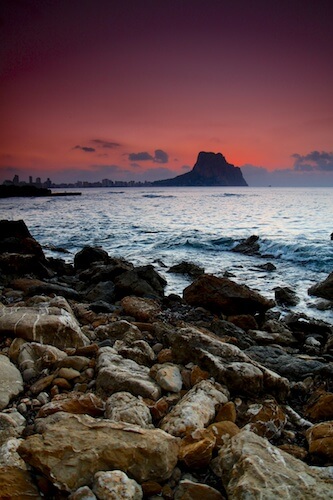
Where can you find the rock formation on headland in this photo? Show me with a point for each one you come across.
(211, 169)
(111, 390)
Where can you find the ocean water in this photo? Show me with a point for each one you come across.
(163, 226)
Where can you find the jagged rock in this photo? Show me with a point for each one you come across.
(124, 407)
(96, 445)
(45, 323)
(17, 484)
(99, 271)
(250, 467)
(222, 295)
(168, 376)
(267, 419)
(44, 288)
(118, 374)
(227, 412)
(284, 296)
(196, 449)
(142, 281)
(292, 367)
(250, 246)
(190, 490)
(16, 238)
(116, 485)
(323, 289)
(9, 456)
(196, 409)
(11, 382)
(226, 362)
(141, 309)
(320, 440)
(211, 169)
(85, 257)
(193, 270)
(74, 402)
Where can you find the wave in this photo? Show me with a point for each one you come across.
(157, 196)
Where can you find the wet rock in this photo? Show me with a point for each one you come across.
(227, 363)
(250, 246)
(140, 308)
(193, 270)
(118, 374)
(45, 323)
(222, 295)
(116, 485)
(124, 407)
(96, 445)
(227, 412)
(17, 484)
(250, 467)
(284, 296)
(88, 255)
(196, 409)
(142, 281)
(290, 366)
(11, 382)
(323, 289)
(267, 267)
(168, 376)
(74, 402)
(320, 440)
(190, 490)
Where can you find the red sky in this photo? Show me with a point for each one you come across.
(129, 89)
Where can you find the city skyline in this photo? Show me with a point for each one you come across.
(134, 90)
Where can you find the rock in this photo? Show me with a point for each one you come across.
(139, 351)
(45, 288)
(320, 406)
(267, 267)
(220, 429)
(101, 292)
(17, 484)
(196, 449)
(168, 376)
(243, 321)
(267, 419)
(323, 289)
(45, 323)
(118, 374)
(196, 409)
(292, 367)
(16, 238)
(119, 330)
(9, 456)
(222, 295)
(189, 490)
(12, 425)
(96, 445)
(141, 309)
(250, 467)
(124, 407)
(320, 440)
(227, 412)
(225, 362)
(74, 402)
(284, 296)
(88, 255)
(142, 281)
(250, 246)
(34, 357)
(11, 382)
(116, 485)
(83, 493)
(193, 270)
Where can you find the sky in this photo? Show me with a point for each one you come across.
(135, 89)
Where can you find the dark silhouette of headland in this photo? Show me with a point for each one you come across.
(211, 169)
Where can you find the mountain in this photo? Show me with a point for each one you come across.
(211, 169)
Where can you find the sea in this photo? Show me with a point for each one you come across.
(165, 226)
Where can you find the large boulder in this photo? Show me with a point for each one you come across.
(50, 322)
(97, 445)
(221, 295)
(323, 289)
(250, 467)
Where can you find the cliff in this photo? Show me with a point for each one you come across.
(211, 169)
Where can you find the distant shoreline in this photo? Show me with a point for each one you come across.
(29, 191)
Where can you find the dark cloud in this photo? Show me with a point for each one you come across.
(105, 144)
(86, 149)
(314, 161)
(288, 177)
(144, 156)
(161, 156)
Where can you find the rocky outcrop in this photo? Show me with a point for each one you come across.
(323, 289)
(211, 169)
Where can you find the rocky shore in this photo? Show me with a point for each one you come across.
(109, 389)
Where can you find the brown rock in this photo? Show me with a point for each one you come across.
(140, 308)
(294, 450)
(320, 439)
(74, 402)
(17, 484)
(197, 374)
(150, 488)
(323, 289)
(196, 449)
(97, 445)
(227, 412)
(11, 382)
(189, 490)
(320, 406)
(221, 429)
(222, 295)
(266, 419)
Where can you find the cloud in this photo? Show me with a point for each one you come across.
(161, 156)
(86, 149)
(314, 161)
(257, 176)
(144, 156)
(105, 144)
